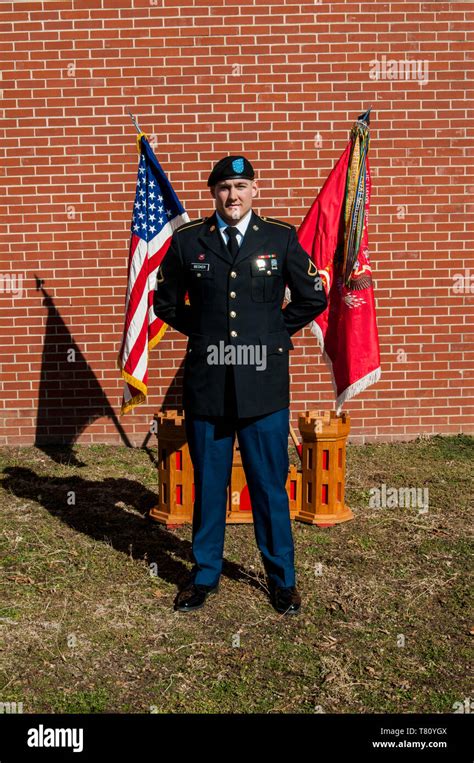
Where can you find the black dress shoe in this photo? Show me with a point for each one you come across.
(193, 596)
(287, 601)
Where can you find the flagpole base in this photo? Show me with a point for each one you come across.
(315, 495)
(323, 468)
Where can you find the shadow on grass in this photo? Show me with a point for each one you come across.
(106, 511)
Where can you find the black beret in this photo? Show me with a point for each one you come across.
(231, 167)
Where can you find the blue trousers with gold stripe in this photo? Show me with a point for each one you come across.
(263, 442)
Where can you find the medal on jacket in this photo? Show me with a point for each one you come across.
(265, 261)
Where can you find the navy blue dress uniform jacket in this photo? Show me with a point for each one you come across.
(235, 312)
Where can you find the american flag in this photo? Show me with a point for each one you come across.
(157, 212)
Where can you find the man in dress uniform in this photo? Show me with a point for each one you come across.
(235, 266)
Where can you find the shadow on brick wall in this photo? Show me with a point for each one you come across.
(70, 397)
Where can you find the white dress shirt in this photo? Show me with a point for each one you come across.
(241, 226)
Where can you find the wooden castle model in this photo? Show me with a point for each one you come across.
(315, 492)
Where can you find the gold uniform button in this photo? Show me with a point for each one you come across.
(198, 275)
(269, 272)
(233, 294)
(233, 274)
(233, 314)
(233, 333)
(280, 349)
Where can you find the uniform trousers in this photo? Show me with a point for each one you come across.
(263, 442)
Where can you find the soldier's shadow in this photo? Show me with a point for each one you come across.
(113, 511)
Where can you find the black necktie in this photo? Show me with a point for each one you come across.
(232, 244)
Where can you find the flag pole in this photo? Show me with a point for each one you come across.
(137, 127)
(296, 442)
(365, 117)
(140, 132)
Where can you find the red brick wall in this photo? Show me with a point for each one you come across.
(208, 80)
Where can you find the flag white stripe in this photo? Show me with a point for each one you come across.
(141, 308)
(142, 312)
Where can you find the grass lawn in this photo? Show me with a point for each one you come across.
(86, 625)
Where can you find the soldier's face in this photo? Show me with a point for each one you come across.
(234, 197)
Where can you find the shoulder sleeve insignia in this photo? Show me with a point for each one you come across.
(159, 275)
(312, 269)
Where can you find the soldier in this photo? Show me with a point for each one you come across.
(235, 266)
